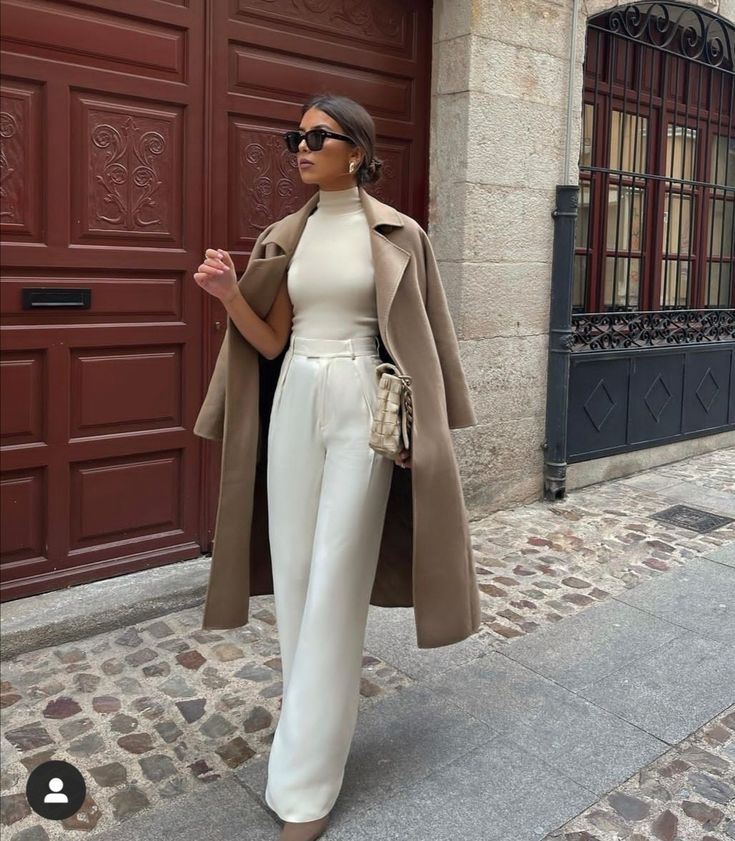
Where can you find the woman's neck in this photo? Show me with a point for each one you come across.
(340, 201)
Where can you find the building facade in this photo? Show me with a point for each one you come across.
(507, 128)
(530, 138)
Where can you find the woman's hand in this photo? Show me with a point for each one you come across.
(216, 275)
(403, 459)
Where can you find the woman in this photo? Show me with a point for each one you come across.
(327, 490)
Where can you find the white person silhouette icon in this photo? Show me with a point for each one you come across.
(56, 795)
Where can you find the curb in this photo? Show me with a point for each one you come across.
(77, 613)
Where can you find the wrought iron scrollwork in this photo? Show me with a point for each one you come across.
(622, 330)
(677, 27)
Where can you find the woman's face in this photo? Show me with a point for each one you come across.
(330, 165)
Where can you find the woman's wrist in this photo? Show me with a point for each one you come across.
(231, 297)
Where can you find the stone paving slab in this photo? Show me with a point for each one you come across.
(496, 792)
(650, 480)
(723, 555)
(397, 742)
(713, 470)
(391, 635)
(673, 690)
(699, 597)
(592, 644)
(222, 811)
(585, 743)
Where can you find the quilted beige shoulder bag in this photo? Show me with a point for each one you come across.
(393, 415)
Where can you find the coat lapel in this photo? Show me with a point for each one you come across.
(389, 259)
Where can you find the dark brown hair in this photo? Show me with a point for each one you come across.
(355, 122)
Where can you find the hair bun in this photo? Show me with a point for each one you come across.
(372, 170)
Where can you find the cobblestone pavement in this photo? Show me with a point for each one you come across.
(687, 794)
(157, 709)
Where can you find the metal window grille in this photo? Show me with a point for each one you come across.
(656, 219)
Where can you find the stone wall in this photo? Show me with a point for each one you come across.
(498, 135)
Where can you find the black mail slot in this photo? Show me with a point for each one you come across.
(41, 297)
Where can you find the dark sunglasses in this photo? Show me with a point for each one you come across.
(314, 138)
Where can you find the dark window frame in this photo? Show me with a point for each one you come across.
(624, 45)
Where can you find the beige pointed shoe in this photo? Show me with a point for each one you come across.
(304, 831)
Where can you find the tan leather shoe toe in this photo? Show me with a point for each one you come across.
(304, 831)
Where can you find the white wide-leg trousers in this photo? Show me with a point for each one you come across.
(327, 497)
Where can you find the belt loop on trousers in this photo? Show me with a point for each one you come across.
(352, 347)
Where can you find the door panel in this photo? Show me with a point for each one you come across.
(102, 185)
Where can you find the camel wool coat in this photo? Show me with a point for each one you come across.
(425, 559)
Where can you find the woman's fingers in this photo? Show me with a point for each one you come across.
(403, 459)
(208, 268)
(215, 258)
(226, 259)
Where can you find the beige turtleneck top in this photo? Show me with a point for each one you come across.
(330, 276)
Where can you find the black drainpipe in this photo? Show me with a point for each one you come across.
(560, 341)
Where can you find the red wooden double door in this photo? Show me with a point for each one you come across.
(132, 136)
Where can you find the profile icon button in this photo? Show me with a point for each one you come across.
(56, 789)
(56, 795)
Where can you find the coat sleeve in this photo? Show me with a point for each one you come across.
(209, 422)
(460, 410)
